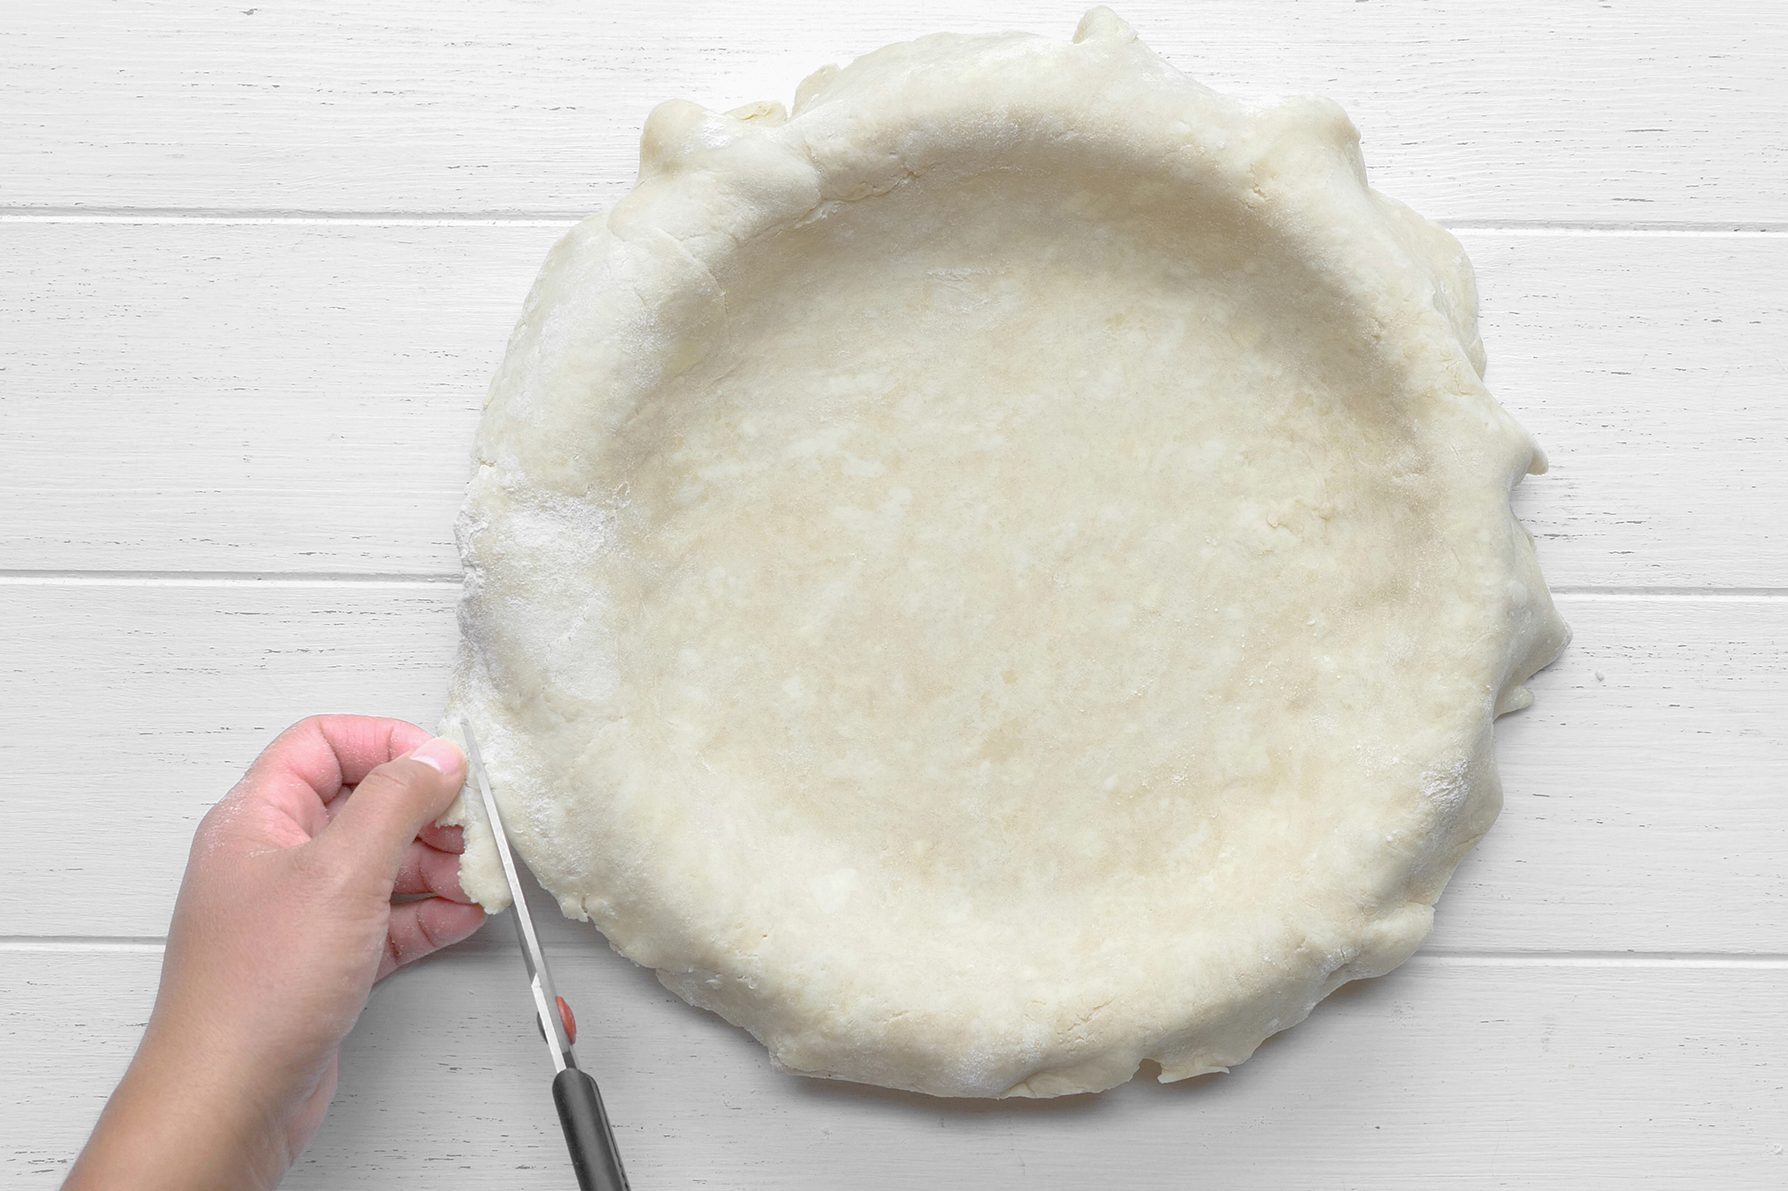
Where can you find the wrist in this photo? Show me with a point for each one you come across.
(181, 1120)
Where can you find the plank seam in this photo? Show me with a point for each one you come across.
(74, 577)
(1463, 958)
(26, 577)
(1665, 592)
(565, 218)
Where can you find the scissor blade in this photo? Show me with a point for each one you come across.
(546, 1000)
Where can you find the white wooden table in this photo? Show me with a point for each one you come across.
(257, 262)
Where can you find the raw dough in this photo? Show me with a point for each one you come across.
(1003, 575)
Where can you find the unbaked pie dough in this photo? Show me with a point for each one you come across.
(1000, 575)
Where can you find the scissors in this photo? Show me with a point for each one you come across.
(581, 1115)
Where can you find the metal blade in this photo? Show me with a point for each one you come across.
(546, 1000)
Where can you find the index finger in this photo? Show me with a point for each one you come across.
(315, 759)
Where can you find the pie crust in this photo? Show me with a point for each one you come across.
(1000, 575)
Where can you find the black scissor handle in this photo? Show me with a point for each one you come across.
(587, 1132)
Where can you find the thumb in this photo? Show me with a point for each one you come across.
(394, 802)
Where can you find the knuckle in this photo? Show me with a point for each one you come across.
(211, 824)
(218, 825)
(309, 725)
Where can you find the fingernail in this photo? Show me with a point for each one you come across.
(441, 755)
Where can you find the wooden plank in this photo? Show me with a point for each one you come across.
(227, 396)
(1645, 783)
(1525, 110)
(1653, 759)
(1446, 1073)
(1649, 368)
(293, 397)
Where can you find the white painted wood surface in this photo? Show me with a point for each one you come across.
(1451, 1072)
(1520, 110)
(258, 260)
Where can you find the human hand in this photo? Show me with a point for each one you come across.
(285, 920)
